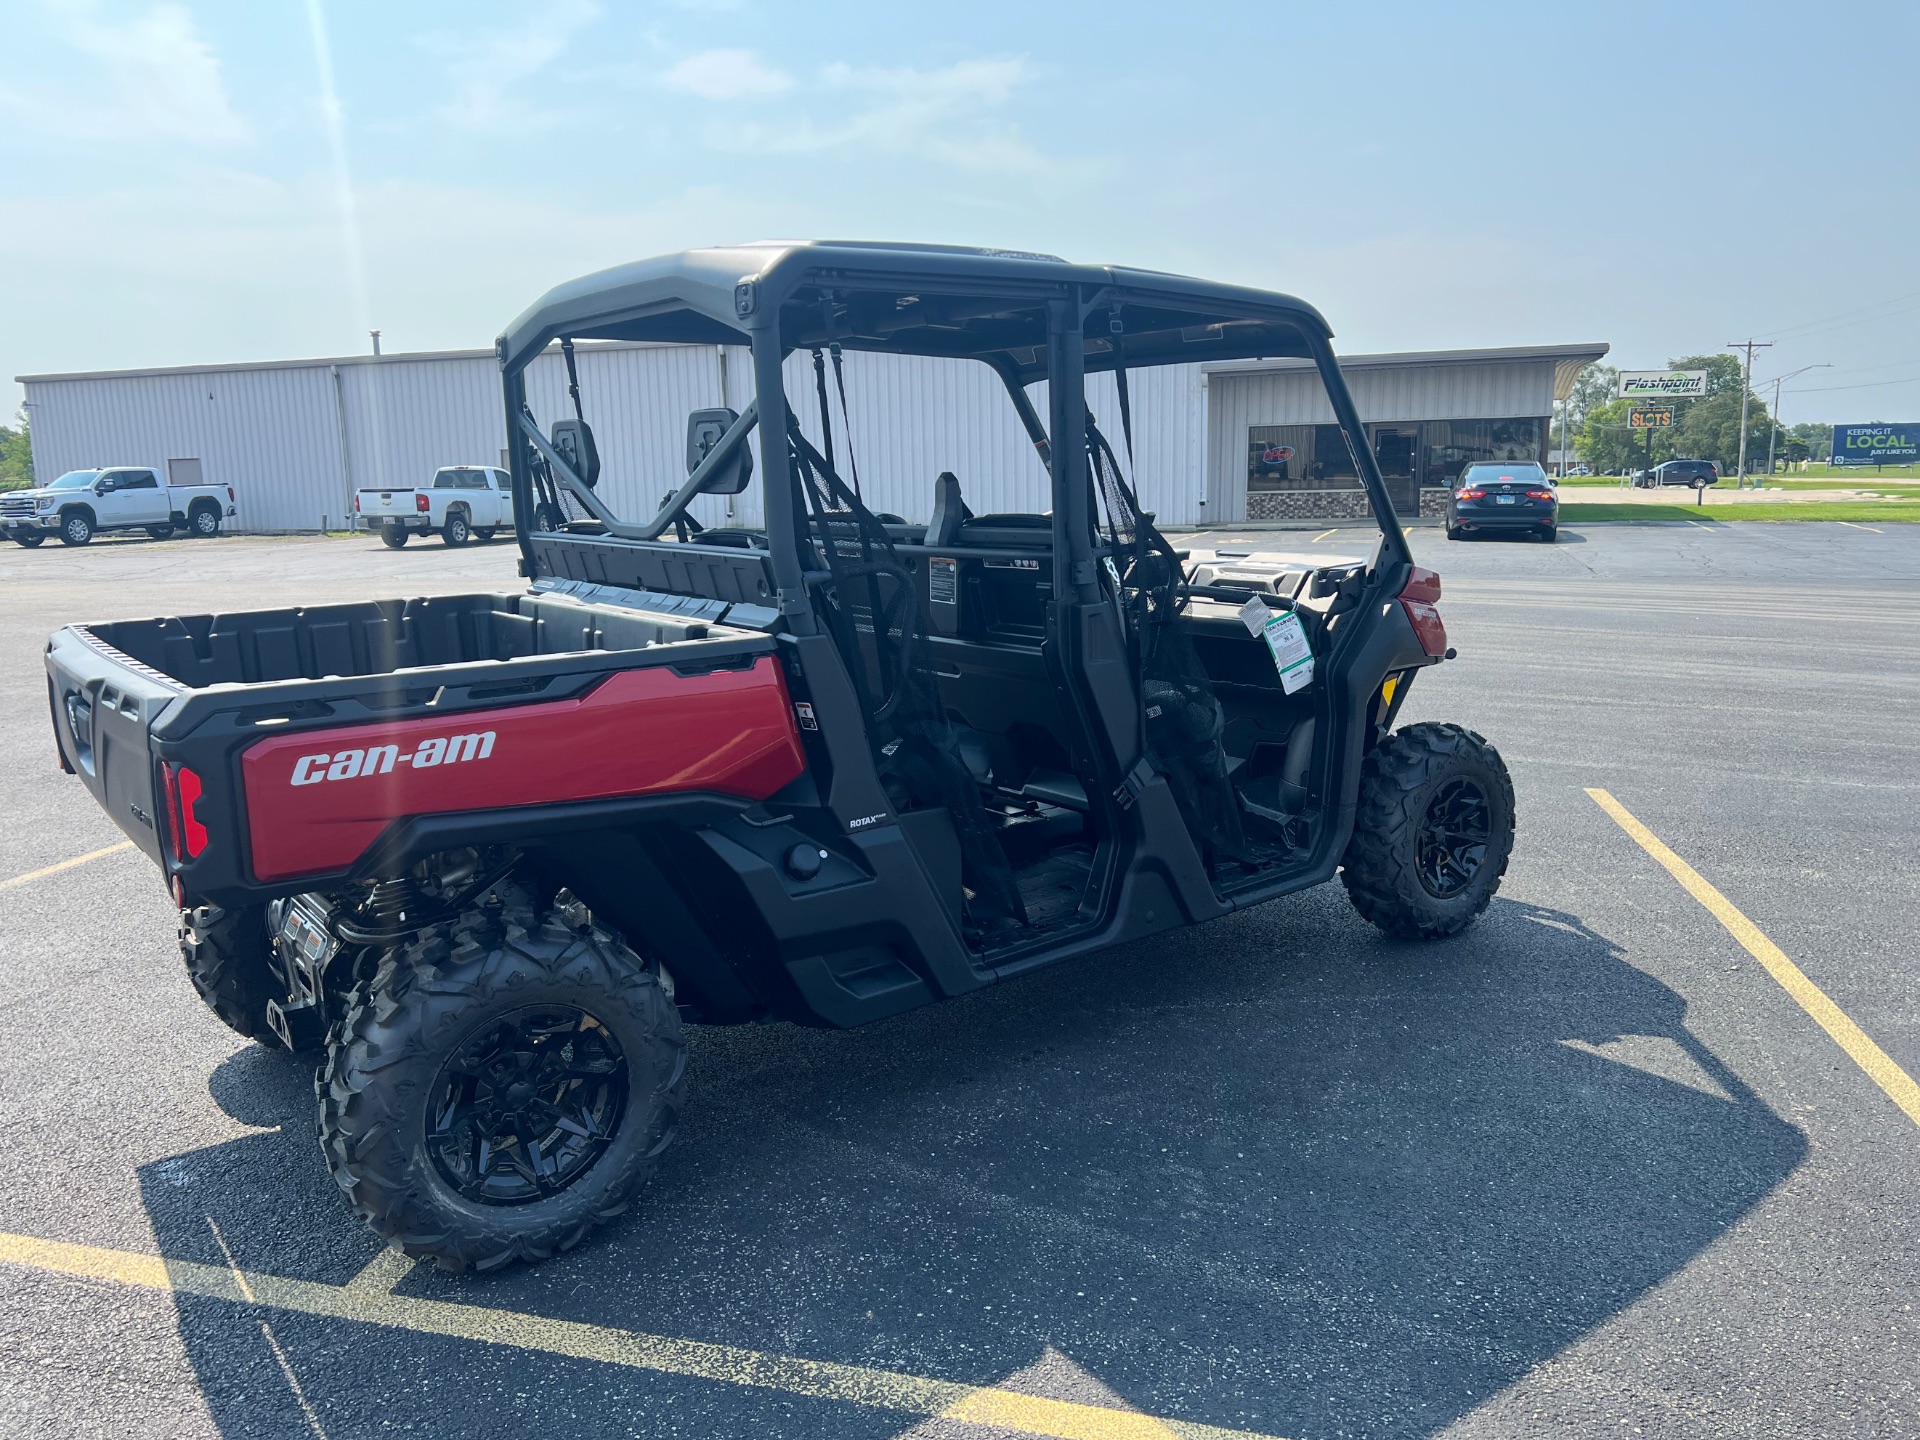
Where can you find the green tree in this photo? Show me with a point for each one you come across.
(1607, 443)
(16, 456)
(1808, 441)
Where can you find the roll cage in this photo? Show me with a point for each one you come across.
(1028, 317)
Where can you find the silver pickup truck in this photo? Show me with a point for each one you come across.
(83, 503)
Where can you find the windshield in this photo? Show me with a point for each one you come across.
(1516, 474)
(75, 480)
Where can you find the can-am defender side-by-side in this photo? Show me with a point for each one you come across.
(493, 851)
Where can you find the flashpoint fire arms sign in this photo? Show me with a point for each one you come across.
(1662, 384)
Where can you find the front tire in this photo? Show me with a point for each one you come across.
(229, 958)
(31, 541)
(393, 536)
(1433, 833)
(76, 529)
(499, 1023)
(485, 533)
(160, 532)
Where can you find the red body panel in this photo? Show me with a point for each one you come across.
(317, 799)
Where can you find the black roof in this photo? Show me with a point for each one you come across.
(943, 300)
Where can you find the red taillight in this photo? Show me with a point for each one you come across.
(1539, 494)
(230, 494)
(181, 791)
(420, 503)
(356, 504)
(1417, 598)
(1471, 495)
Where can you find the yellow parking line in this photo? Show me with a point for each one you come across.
(727, 1364)
(1880, 1066)
(65, 865)
(1323, 535)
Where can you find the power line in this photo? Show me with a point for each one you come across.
(1867, 312)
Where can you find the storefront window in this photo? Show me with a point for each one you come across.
(1279, 457)
(1449, 446)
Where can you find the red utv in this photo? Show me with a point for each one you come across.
(493, 851)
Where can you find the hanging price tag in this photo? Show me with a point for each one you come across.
(1286, 641)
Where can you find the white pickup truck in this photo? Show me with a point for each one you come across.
(463, 502)
(83, 503)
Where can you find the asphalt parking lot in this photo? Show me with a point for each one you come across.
(1589, 1168)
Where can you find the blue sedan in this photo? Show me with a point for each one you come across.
(1512, 499)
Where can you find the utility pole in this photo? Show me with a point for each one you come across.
(1779, 380)
(1746, 394)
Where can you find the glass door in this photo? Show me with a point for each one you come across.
(1397, 447)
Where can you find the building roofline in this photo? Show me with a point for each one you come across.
(318, 363)
(1587, 351)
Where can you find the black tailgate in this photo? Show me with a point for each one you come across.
(104, 705)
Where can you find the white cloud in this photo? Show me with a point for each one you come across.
(485, 67)
(944, 115)
(726, 75)
(149, 77)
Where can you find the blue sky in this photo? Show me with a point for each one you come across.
(171, 189)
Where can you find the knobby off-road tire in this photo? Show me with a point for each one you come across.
(432, 1007)
(1413, 867)
(230, 960)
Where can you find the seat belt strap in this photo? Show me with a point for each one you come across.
(846, 421)
(573, 377)
(826, 411)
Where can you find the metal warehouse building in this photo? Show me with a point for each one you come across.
(1220, 443)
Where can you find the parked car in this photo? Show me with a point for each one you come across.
(83, 503)
(462, 502)
(1679, 472)
(1512, 498)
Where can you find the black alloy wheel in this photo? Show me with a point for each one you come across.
(527, 1105)
(1433, 831)
(1452, 842)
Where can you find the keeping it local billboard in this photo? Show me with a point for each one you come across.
(1662, 384)
(1876, 444)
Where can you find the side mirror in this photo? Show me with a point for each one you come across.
(574, 440)
(106, 486)
(704, 429)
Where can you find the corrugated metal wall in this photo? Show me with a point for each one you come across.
(274, 433)
(1290, 395)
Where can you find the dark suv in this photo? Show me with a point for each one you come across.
(1681, 472)
(1515, 497)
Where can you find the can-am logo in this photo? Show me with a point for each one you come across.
(380, 759)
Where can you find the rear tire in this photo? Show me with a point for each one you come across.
(230, 961)
(204, 522)
(1550, 534)
(393, 536)
(456, 532)
(452, 1046)
(1454, 532)
(76, 529)
(1433, 833)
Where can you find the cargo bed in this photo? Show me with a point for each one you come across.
(220, 743)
